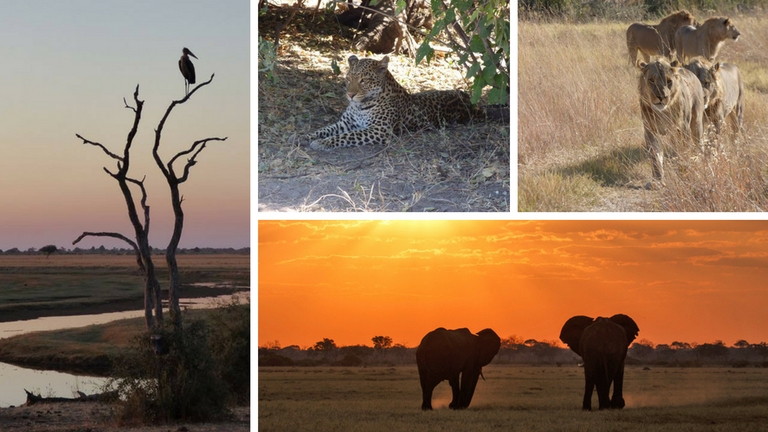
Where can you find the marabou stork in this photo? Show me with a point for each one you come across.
(187, 69)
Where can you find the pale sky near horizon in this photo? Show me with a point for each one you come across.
(66, 67)
(690, 281)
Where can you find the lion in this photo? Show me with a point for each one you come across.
(671, 102)
(706, 40)
(723, 94)
(656, 39)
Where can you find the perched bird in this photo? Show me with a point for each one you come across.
(187, 68)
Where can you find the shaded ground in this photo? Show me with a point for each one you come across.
(454, 168)
(94, 417)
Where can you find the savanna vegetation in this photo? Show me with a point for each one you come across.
(301, 89)
(580, 134)
(516, 350)
(512, 398)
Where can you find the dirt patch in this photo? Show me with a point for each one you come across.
(453, 168)
(96, 417)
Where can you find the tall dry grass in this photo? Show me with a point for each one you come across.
(580, 135)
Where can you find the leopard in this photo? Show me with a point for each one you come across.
(379, 107)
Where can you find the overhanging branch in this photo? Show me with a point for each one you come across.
(191, 161)
(101, 146)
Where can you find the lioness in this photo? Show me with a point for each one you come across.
(671, 100)
(705, 40)
(723, 93)
(656, 39)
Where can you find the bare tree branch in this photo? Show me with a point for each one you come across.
(159, 130)
(107, 234)
(94, 143)
(143, 201)
(191, 161)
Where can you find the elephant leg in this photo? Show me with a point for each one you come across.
(617, 401)
(603, 394)
(427, 387)
(589, 385)
(456, 401)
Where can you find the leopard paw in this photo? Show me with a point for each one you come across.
(318, 145)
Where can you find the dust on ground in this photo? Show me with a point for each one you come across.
(97, 417)
(455, 168)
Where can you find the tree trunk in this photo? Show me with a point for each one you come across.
(141, 231)
(176, 199)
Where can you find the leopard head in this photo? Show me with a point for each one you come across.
(366, 77)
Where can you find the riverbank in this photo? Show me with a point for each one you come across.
(97, 417)
(66, 285)
(90, 350)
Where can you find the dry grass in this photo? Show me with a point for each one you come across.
(452, 168)
(580, 143)
(511, 398)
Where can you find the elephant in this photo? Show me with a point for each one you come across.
(602, 343)
(446, 354)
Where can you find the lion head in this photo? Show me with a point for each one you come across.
(679, 19)
(658, 83)
(366, 77)
(707, 76)
(721, 28)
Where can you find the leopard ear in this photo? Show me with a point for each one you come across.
(383, 63)
(352, 60)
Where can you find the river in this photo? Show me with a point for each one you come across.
(14, 379)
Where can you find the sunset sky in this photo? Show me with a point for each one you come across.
(690, 281)
(66, 67)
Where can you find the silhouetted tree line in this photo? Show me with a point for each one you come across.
(515, 350)
(101, 250)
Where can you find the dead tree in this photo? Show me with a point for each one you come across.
(176, 199)
(141, 246)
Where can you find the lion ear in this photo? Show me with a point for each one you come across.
(727, 22)
(715, 68)
(640, 64)
(675, 63)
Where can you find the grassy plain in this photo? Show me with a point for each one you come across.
(32, 286)
(580, 135)
(513, 398)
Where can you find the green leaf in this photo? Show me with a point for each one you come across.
(497, 96)
(400, 6)
(477, 90)
(473, 70)
(450, 15)
(424, 51)
(485, 31)
(476, 44)
(489, 73)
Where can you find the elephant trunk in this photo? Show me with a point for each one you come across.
(468, 384)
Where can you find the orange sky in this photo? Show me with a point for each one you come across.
(692, 281)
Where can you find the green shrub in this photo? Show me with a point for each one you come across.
(184, 383)
(231, 347)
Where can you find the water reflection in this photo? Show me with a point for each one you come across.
(48, 383)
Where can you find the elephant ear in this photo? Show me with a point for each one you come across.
(488, 345)
(572, 330)
(629, 326)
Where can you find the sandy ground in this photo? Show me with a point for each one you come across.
(95, 417)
